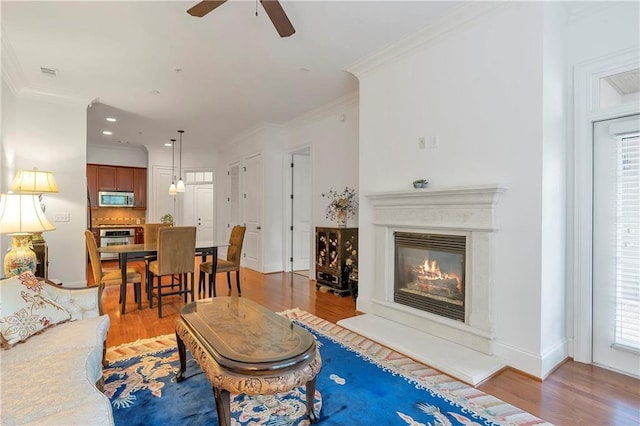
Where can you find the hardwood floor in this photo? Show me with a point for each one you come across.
(575, 394)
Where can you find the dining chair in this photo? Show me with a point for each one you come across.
(176, 256)
(150, 232)
(232, 263)
(112, 276)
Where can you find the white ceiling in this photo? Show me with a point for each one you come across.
(215, 76)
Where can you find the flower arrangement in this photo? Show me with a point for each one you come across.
(341, 204)
(167, 218)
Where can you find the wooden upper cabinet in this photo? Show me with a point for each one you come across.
(92, 184)
(124, 179)
(107, 180)
(140, 188)
(116, 178)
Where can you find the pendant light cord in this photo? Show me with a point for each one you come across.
(181, 132)
(173, 167)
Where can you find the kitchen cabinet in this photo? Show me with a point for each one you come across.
(117, 178)
(114, 178)
(337, 259)
(124, 179)
(107, 178)
(92, 185)
(140, 188)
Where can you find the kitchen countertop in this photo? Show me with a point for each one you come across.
(117, 226)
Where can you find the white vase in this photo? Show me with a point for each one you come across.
(341, 219)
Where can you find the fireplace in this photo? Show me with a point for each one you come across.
(430, 273)
(453, 227)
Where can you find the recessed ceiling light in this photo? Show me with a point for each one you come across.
(106, 132)
(111, 119)
(168, 144)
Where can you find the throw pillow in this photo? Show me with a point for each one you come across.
(25, 309)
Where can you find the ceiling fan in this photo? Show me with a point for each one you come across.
(272, 7)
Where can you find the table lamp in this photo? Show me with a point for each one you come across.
(21, 215)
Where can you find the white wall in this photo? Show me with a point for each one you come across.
(193, 157)
(7, 132)
(131, 156)
(331, 132)
(266, 139)
(50, 133)
(479, 89)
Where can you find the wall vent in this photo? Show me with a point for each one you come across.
(49, 71)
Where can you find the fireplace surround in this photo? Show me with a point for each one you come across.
(466, 212)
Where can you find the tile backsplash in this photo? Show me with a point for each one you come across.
(117, 216)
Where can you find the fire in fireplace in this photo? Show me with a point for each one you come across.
(429, 273)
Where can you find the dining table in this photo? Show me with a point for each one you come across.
(132, 252)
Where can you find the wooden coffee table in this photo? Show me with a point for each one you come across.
(245, 348)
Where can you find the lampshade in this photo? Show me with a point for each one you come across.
(172, 189)
(34, 181)
(22, 214)
(180, 186)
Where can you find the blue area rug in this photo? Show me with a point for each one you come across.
(360, 383)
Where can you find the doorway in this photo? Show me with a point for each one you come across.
(300, 226)
(198, 203)
(616, 244)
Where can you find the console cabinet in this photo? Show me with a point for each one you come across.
(337, 259)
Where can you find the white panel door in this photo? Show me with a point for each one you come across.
(204, 212)
(163, 203)
(252, 202)
(616, 245)
(235, 196)
(302, 232)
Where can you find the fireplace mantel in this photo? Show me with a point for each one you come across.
(468, 208)
(468, 211)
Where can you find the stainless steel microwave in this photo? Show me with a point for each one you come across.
(115, 199)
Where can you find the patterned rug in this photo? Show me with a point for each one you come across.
(361, 383)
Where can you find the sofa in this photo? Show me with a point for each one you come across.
(52, 356)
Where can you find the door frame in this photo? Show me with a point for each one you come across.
(580, 279)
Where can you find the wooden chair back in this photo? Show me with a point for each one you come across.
(94, 256)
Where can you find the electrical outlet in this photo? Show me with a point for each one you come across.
(421, 143)
(61, 217)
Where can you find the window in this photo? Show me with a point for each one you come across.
(627, 334)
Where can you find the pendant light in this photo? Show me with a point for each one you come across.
(180, 185)
(172, 188)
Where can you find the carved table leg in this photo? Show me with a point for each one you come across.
(223, 406)
(311, 393)
(182, 353)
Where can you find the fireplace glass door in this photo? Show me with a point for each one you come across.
(429, 273)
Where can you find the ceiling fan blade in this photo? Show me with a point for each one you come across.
(204, 7)
(278, 17)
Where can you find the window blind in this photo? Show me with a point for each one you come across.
(627, 324)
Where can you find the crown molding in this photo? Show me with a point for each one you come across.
(459, 17)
